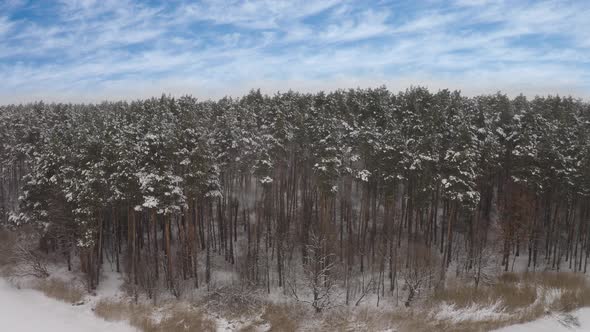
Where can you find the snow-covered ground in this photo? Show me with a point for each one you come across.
(26, 310)
(555, 323)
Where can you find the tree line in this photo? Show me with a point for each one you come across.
(350, 183)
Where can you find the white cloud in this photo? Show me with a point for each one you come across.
(367, 25)
(260, 14)
(428, 22)
(470, 3)
(5, 25)
(111, 49)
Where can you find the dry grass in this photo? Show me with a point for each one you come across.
(250, 328)
(365, 319)
(509, 277)
(572, 299)
(416, 320)
(525, 297)
(175, 318)
(182, 319)
(278, 317)
(514, 290)
(60, 290)
(468, 326)
(118, 311)
(233, 302)
(522, 298)
(282, 317)
(512, 295)
(553, 279)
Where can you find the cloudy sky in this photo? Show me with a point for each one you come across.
(90, 50)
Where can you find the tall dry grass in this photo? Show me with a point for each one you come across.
(60, 290)
(282, 317)
(175, 318)
(523, 296)
(514, 290)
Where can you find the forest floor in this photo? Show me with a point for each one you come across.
(57, 304)
(512, 302)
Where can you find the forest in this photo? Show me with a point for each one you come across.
(358, 192)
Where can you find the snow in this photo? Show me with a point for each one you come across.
(150, 202)
(110, 285)
(52, 315)
(555, 323)
(29, 310)
(364, 175)
(266, 179)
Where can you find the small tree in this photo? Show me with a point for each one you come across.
(420, 274)
(318, 276)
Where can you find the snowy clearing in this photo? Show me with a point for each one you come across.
(25, 310)
(578, 320)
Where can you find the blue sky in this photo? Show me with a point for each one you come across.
(91, 50)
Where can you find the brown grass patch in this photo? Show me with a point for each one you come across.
(253, 327)
(60, 290)
(526, 296)
(509, 277)
(523, 297)
(282, 317)
(118, 311)
(572, 299)
(512, 295)
(517, 290)
(175, 318)
(183, 319)
(365, 319)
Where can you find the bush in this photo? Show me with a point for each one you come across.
(233, 301)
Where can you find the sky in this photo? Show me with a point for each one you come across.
(94, 50)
